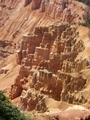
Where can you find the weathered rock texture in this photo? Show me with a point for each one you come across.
(6, 48)
(49, 64)
(16, 23)
(49, 61)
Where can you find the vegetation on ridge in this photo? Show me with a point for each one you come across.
(8, 111)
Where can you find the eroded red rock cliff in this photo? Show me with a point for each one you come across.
(44, 56)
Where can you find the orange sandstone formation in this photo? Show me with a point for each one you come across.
(44, 57)
(49, 63)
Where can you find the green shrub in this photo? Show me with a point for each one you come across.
(8, 111)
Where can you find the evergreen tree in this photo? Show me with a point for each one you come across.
(8, 111)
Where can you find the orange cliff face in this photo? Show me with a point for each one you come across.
(50, 65)
(44, 57)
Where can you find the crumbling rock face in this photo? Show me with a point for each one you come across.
(31, 100)
(27, 2)
(16, 88)
(49, 57)
(47, 83)
(73, 84)
(20, 82)
(51, 50)
(6, 48)
(55, 9)
(36, 4)
(16, 23)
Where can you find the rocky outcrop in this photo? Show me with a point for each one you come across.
(51, 50)
(72, 87)
(27, 2)
(36, 4)
(35, 100)
(20, 82)
(48, 59)
(47, 83)
(16, 88)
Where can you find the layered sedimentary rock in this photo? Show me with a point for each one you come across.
(16, 23)
(49, 65)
